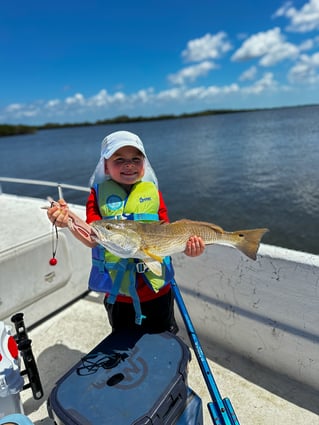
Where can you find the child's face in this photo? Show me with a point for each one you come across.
(126, 166)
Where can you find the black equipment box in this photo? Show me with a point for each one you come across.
(128, 379)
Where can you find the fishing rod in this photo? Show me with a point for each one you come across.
(221, 410)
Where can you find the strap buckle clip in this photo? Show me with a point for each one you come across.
(141, 267)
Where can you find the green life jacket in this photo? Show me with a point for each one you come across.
(116, 275)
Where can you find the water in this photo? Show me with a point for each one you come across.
(245, 170)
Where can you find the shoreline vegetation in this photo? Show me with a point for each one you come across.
(20, 129)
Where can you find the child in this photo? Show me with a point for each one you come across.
(124, 186)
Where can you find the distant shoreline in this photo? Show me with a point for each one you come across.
(20, 129)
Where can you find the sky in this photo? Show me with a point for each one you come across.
(73, 61)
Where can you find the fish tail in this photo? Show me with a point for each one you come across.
(248, 241)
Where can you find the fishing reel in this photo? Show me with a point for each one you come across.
(24, 347)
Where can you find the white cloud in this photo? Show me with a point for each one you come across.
(304, 20)
(14, 107)
(169, 95)
(279, 53)
(20, 111)
(142, 96)
(306, 45)
(194, 93)
(51, 104)
(266, 83)
(118, 97)
(306, 70)
(30, 113)
(78, 98)
(100, 99)
(207, 47)
(191, 73)
(78, 107)
(270, 46)
(309, 44)
(249, 74)
(103, 98)
(210, 92)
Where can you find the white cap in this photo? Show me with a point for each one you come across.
(112, 143)
(115, 141)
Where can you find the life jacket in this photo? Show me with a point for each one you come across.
(115, 275)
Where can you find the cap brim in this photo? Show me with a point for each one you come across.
(118, 145)
(118, 140)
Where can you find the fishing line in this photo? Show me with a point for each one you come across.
(53, 261)
(54, 241)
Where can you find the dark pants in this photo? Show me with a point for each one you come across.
(159, 315)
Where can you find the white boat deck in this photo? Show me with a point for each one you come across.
(263, 313)
(59, 342)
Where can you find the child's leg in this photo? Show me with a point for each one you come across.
(159, 315)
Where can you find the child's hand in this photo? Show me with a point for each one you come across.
(59, 213)
(194, 247)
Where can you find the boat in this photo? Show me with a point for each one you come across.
(257, 320)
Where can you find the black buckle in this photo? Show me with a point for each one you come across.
(141, 267)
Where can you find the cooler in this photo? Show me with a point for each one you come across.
(128, 379)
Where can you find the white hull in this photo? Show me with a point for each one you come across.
(266, 311)
(28, 282)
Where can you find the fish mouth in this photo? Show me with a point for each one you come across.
(95, 234)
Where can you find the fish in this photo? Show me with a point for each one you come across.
(152, 241)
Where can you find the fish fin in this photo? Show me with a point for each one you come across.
(154, 256)
(154, 266)
(249, 241)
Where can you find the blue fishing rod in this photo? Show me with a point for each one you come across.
(221, 410)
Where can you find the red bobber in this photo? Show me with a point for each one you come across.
(53, 261)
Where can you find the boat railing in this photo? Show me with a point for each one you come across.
(58, 186)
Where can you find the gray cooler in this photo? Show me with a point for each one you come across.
(128, 379)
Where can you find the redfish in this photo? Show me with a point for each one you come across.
(150, 242)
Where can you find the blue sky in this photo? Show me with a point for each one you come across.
(75, 61)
